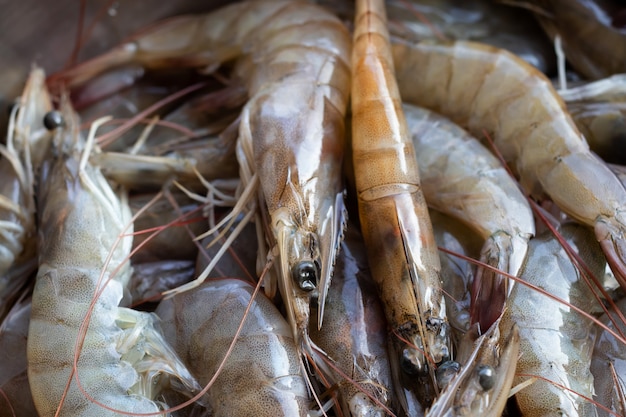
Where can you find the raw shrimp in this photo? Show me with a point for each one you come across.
(482, 386)
(529, 125)
(608, 366)
(461, 178)
(593, 37)
(556, 341)
(394, 217)
(599, 110)
(354, 334)
(83, 268)
(26, 145)
(262, 376)
(292, 62)
(15, 397)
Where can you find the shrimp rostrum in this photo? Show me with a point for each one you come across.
(101, 355)
(292, 57)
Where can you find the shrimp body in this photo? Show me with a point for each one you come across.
(83, 256)
(354, 334)
(291, 58)
(599, 110)
(556, 342)
(261, 377)
(608, 366)
(394, 216)
(27, 142)
(529, 125)
(481, 193)
(15, 396)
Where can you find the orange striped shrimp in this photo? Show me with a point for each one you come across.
(291, 58)
(394, 217)
(83, 269)
(529, 125)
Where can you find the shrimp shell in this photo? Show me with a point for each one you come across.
(529, 125)
(479, 192)
(556, 342)
(261, 377)
(27, 142)
(393, 213)
(82, 226)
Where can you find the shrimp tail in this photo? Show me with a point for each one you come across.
(611, 237)
(489, 289)
(144, 347)
(330, 242)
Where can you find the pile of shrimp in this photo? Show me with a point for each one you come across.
(298, 208)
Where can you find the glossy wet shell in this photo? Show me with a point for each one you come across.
(262, 375)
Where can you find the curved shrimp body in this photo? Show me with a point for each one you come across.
(354, 334)
(394, 216)
(556, 342)
(529, 125)
(27, 142)
(83, 270)
(488, 364)
(608, 365)
(463, 179)
(261, 377)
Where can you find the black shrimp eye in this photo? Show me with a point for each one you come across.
(445, 372)
(486, 377)
(305, 274)
(52, 120)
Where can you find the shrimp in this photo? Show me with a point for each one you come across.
(556, 342)
(394, 217)
(592, 35)
(608, 366)
(529, 125)
(83, 252)
(479, 192)
(355, 335)
(15, 397)
(482, 386)
(599, 110)
(262, 376)
(27, 142)
(291, 58)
